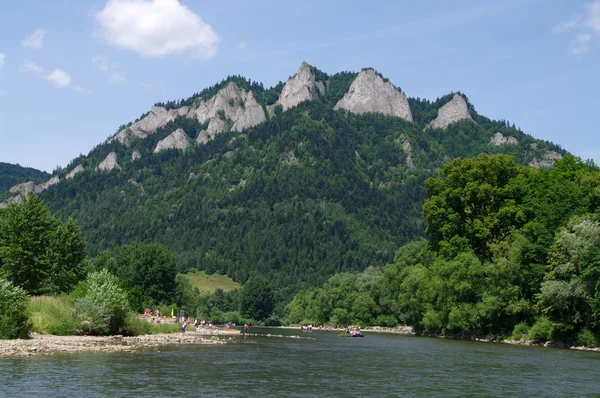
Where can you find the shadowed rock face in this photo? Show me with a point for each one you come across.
(75, 171)
(178, 139)
(454, 110)
(230, 104)
(109, 163)
(302, 87)
(157, 118)
(499, 139)
(547, 159)
(369, 93)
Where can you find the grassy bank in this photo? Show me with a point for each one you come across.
(53, 315)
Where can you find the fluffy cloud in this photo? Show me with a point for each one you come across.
(35, 39)
(104, 66)
(2, 59)
(58, 77)
(156, 28)
(586, 28)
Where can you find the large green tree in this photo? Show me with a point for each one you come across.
(257, 298)
(37, 251)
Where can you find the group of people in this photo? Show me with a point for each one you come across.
(353, 330)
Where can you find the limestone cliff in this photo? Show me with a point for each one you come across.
(370, 93)
(135, 156)
(303, 86)
(546, 160)
(157, 118)
(454, 110)
(499, 139)
(178, 139)
(109, 163)
(230, 104)
(24, 188)
(75, 171)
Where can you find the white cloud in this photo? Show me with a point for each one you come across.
(116, 77)
(242, 45)
(103, 65)
(30, 67)
(587, 28)
(3, 93)
(156, 28)
(59, 78)
(593, 16)
(35, 39)
(2, 60)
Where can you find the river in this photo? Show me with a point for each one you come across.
(323, 364)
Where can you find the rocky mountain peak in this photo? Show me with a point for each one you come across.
(303, 86)
(370, 93)
(230, 104)
(454, 110)
(178, 139)
(157, 118)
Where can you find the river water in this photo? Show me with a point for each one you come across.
(324, 364)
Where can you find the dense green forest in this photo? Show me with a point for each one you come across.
(513, 252)
(307, 194)
(13, 174)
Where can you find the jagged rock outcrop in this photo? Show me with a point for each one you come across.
(230, 104)
(178, 139)
(157, 118)
(74, 172)
(454, 110)
(547, 159)
(499, 139)
(17, 199)
(303, 86)
(369, 93)
(24, 188)
(109, 163)
(135, 156)
(51, 182)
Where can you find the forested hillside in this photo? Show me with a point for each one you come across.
(12, 174)
(308, 193)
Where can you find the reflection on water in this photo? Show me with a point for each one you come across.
(329, 365)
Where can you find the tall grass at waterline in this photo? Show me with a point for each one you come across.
(51, 315)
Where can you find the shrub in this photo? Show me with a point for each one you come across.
(541, 330)
(103, 307)
(51, 315)
(520, 330)
(134, 326)
(14, 322)
(385, 320)
(587, 338)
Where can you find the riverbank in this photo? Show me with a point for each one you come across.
(39, 344)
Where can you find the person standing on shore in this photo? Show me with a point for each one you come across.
(245, 329)
(183, 326)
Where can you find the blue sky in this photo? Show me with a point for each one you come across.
(71, 72)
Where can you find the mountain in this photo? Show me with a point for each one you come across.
(317, 175)
(13, 174)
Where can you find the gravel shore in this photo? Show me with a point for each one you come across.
(50, 345)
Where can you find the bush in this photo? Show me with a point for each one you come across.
(103, 307)
(51, 315)
(14, 322)
(385, 320)
(587, 338)
(542, 330)
(520, 330)
(134, 326)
